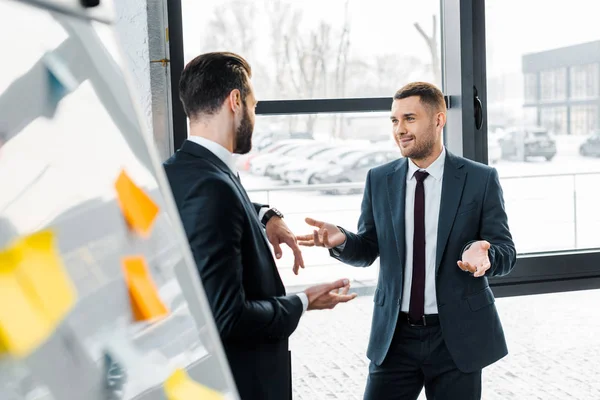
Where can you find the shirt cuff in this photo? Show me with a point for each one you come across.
(304, 300)
(262, 212)
(338, 249)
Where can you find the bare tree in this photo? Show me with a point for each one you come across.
(432, 44)
(231, 28)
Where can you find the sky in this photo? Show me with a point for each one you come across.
(514, 27)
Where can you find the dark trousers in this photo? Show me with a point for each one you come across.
(418, 357)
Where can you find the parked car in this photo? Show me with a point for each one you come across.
(303, 173)
(298, 157)
(260, 163)
(524, 143)
(354, 168)
(591, 146)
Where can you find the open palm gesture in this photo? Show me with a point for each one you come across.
(475, 259)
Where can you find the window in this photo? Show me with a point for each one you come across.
(531, 88)
(554, 119)
(584, 119)
(584, 81)
(321, 49)
(553, 84)
(546, 180)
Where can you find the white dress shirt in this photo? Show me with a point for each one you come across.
(224, 155)
(433, 197)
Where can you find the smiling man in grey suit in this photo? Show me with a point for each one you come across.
(438, 224)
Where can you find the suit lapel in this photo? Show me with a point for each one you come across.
(396, 185)
(452, 189)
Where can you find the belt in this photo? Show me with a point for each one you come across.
(426, 320)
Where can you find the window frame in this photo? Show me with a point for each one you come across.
(463, 44)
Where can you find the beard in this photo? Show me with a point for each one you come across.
(422, 147)
(243, 135)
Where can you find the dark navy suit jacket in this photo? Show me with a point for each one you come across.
(472, 208)
(246, 295)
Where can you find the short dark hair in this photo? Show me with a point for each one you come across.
(208, 79)
(428, 93)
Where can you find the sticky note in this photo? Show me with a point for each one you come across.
(179, 386)
(23, 327)
(34, 283)
(44, 277)
(137, 207)
(143, 294)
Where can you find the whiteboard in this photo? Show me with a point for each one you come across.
(63, 143)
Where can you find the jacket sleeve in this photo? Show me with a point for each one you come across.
(494, 228)
(214, 218)
(361, 249)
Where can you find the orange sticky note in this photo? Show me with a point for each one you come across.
(179, 386)
(138, 208)
(143, 294)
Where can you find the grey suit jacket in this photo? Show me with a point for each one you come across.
(472, 208)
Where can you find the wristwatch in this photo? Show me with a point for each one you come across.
(271, 212)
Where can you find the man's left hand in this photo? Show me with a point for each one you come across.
(475, 259)
(277, 233)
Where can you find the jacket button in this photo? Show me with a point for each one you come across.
(400, 301)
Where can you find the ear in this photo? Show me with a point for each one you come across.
(441, 119)
(234, 100)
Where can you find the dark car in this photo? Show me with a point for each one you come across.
(591, 146)
(525, 143)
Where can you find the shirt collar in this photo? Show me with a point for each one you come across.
(435, 170)
(221, 152)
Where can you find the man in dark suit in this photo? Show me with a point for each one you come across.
(438, 224)
(226, 231)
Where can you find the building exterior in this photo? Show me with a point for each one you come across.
(562, 88)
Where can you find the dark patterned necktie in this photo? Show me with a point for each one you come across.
(417, 290)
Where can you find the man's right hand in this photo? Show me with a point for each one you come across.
(327, 236)
(328, 295)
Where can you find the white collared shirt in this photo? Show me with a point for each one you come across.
(221, 152)
(433, 197)
(224, 155)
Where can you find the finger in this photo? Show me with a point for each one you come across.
(344, 298)
(482, 270)
(304, 237)
(465, 266)
(314, 222)
(340, 283)
(306, 243)
(470, 267)
(316, 239)
(344, 290)
(298, 260)
(326, 239)
(485, 245)
(277, 250)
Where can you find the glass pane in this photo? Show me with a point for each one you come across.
(315, 166)
(321, 49)
(543, 111)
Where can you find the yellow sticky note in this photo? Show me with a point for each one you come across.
(23, 327)
(179, 386)
(35, 284)
(42, 275)
(143, 294)
(137, 207)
